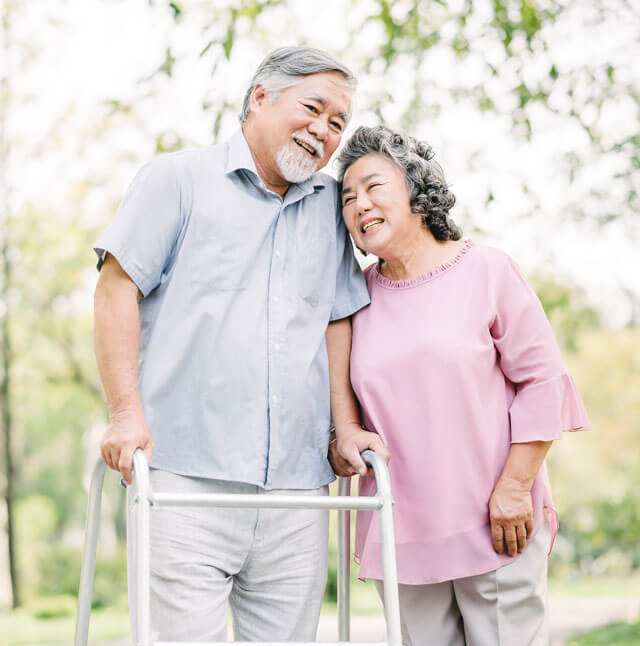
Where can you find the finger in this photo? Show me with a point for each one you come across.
(497, 536)
(339, 465)
(379, 447)
(125, 463)
(348, 470)
(114, 456)
(511, 540)
(529, 527)
(352, 455)
(344, 470)
(106, 449)
(521, 536)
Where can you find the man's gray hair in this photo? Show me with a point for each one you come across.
(286, 66)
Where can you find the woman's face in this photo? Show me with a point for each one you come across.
(375, 206)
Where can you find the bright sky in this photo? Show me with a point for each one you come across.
(73, 55)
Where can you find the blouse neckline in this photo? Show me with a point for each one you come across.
(424, 278)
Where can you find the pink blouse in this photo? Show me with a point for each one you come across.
(451, 368)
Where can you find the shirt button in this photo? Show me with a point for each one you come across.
(277, 346)
(277, 254)
(274, 399)
(276, 299)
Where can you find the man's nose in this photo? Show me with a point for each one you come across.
(319, 128)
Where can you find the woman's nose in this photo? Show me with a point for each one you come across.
(363, 204)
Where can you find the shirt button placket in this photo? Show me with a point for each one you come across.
(276, 325)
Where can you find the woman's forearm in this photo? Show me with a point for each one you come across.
(351, 439)
(524, 462)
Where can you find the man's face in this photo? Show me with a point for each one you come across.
(301, 128)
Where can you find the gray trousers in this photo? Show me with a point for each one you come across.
(504, 607)
(268, 565)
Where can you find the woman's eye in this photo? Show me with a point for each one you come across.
(312, 108)
(347, 200)
(373, 186)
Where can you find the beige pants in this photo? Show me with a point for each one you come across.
(505, 607)
(268, 565)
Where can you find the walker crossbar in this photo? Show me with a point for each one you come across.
(144, 500)
(264, 502)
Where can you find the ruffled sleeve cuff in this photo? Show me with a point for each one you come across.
(542, 411)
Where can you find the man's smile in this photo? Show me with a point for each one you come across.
(307, 147)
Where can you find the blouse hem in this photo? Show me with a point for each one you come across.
(477, 543)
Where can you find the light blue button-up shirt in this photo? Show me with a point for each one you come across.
(239, 286)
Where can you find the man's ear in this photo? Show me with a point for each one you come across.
(258, 98)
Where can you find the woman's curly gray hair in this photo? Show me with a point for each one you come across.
(429, 195)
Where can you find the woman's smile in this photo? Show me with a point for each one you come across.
(370, 224)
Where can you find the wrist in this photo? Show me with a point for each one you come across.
(517, 482)
(123, 413)
(343, 429)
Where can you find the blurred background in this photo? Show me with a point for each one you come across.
(533, 110)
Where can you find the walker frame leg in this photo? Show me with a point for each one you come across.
(344, 565)
(89, 554)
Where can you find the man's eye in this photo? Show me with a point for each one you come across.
(336, 126)
(312, 108)
(373, 186)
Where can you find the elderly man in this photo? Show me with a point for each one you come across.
(221, 318)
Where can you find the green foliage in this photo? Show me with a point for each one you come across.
(565, 308)
(168, 63)
(601, 537)
(59, 569)
(37, 517)
(525, 19)
(595, 475)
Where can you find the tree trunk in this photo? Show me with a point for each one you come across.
(5, 347)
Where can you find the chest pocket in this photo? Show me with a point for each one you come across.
(219, 251)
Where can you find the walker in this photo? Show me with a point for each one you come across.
(145, 500)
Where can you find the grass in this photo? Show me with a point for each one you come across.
(621, 634)
(21, 628)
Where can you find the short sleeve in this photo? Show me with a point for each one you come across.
(144, 231)
(546, 401)
(352, 293)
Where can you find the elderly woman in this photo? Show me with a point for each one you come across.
(456, 367)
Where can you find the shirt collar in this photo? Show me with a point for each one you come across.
(239, 158)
